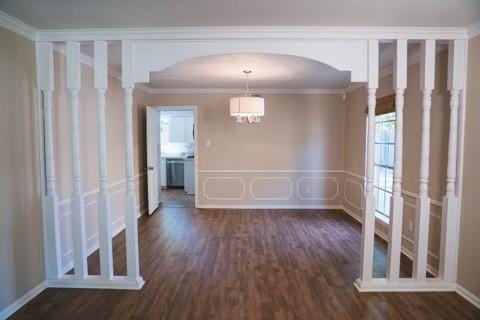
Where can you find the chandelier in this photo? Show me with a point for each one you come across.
(249, 108)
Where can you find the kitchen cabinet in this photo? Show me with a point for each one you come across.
(180, 130)
(176, 130)
(189, 130)
(163, 172)
(189, 176)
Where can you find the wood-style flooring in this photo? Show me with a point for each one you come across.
(172, 197)
(246, 264)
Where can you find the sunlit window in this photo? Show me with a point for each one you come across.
(384, 155)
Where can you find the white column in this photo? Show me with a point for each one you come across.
(131, 225)
(104, 214)
(368, 226)
(396, 212)
(450, 219)
(77, 201)
(53, 257)
(422, 212)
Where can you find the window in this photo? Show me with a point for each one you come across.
(384, 160)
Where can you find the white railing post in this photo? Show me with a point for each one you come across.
(450, 214)
(77, 201)
(131, 224)
(368, 226)
(422, 212)
(104, 214)
(53, 257)
(396, 212)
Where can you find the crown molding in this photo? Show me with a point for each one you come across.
(229, 33)
(13, 24)
(474, 30)
(239, 91)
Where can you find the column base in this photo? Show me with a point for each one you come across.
(403, 285)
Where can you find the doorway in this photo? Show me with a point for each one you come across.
(172, 156)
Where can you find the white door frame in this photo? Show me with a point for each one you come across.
(149, 131)
(195, 138)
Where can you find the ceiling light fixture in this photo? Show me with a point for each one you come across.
(249, 108)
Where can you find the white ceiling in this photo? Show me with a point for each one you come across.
(269, 71)
(54, 14)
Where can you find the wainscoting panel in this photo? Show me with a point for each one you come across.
(117, 192)
(270, 188)
(353, 204)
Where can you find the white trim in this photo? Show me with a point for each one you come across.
(474, 30)
(194, 109)
(89, 61)
(403, 285)
(224, 198)
(270, 206)
(335, 196)
(269, 171)
(412, 59)
(118, 225)
(13, 24)
(96, 282)
(408, 253)
(345, 198)
(413, 206)
(23, 300)
(467, 295)
(95, 191)
(288, 196)
(246, 32)
(404, 192)
(151, 90)
(415, 196)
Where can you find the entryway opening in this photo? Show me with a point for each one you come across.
(171, 157)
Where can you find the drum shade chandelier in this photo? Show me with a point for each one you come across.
(249, 108)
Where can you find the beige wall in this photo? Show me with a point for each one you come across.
(355, 124)
(298, 133)
(89, 152)
(296, 157)
(21, 251)
(469, 254)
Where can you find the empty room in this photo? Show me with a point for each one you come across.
(239, 159)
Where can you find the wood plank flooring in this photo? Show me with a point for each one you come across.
(176, 198)
(246, 264)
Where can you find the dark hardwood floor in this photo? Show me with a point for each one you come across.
(176, 198)
(246, 264)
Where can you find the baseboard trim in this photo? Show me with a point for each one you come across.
(96, 282)
(23, 300)
(403, 285)
(467, 295)
(267, 206)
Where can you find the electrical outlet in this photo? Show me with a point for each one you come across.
(410, 225)
(207, 143)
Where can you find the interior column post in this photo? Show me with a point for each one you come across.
(77, 201)
(104, 214)
(368, 226)
(53, 256)
(396, 212)
(131, 225)
(422, 210)
(450, 214)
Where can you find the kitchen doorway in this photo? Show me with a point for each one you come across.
(172, 157)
